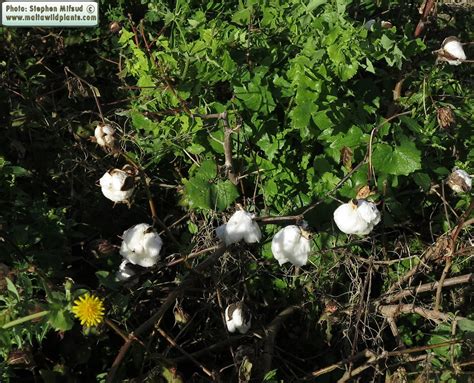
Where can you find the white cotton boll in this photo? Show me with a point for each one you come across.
(124, 272)
(220, 232)
(117, 185)
(454, 48)
(290, 245)
(465, 176)
(141, 245)
(237, 318)
(240, 226)
(452, 51)
(357, 217)
(460, 181)
(104, 135)
(368, 211)
(348, 220)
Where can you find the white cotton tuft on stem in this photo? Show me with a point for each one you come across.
(452, 51)
(240, 226)
(291, 244)
(238, 318)
(357, 217)
(117, 185)
(141, 245)
(104, 135)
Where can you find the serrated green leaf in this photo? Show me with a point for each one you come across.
(204, 192)
(386, 42)
(223, 194)
(255, 96)
(369, 67)
(400, 160)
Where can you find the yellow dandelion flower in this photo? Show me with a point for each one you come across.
(89, 310)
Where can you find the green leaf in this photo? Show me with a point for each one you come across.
(255, 96)
(18, 171)
(369, 66)
(60, 318)
(140, 122)
(411, 123)
(12, 288)
(203, 191)
(423, 180)
(466, 325)
(386, 42)
(223, 193)
(322, 120)
(106, 279)
(400, 160)
(170, 375)
(315, 4)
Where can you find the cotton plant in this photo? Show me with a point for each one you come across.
(104, 135)
(358, 216)
(238, 318)
(459, 181)
(451, 51)
(241, 226)
(118, 184)
(141, 245)
(292, 244)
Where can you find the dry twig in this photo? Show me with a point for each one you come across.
(158, 315)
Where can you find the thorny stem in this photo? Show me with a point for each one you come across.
(463, 221)
(191, 256)
(395, 310)
(229, 165)
(279, 219)
(360, 310)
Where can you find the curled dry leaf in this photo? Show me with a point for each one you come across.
(364, 192)
(446, 117)
(346, 157)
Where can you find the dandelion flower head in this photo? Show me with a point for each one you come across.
(89, 310)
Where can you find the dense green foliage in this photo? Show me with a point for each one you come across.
(319, 107)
